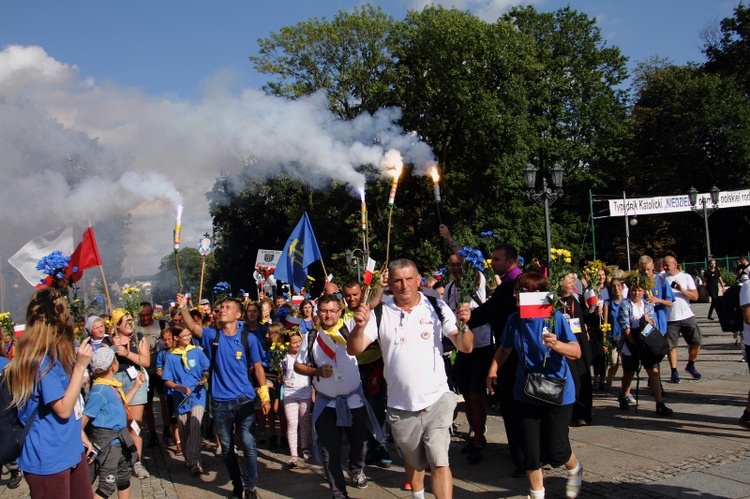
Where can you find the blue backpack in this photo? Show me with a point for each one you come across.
(12, 432)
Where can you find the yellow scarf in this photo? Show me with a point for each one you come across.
(183, 353)
(334, 334)
(113, 383)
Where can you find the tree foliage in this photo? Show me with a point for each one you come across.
(347, 57)
(166, 283)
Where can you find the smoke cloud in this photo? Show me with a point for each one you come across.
(74, 150)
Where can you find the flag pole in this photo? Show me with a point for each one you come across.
(101, 269)
(200, 286)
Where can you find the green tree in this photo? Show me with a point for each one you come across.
(729, 53)
(166, 283)
(347, 57)
(691, 128)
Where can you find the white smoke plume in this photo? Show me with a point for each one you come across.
(73, 149)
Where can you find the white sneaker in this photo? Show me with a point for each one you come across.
(573, 485)
(139, 471)
(630, 399)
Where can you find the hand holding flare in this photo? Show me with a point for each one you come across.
(436, 189)
(177, 231)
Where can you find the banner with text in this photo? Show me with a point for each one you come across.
(660, 205)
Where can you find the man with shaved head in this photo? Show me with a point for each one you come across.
(682, 319)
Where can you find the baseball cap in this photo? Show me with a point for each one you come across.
(204, 301)
(102, 359)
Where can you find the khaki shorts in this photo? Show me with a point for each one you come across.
(424, 437)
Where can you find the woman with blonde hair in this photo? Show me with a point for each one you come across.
(45, 379)
(134, 356)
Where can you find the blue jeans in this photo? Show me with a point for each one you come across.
(241, 414)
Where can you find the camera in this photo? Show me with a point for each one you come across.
(674, 284)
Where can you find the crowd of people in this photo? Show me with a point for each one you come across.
(376, 364)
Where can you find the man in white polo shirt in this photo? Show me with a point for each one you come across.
(420, 405)
(682, 319)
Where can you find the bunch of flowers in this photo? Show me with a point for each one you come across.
(55, 265)
(590, 270)
(222, 289)
(130, 300)
(6, 323)
(278, 351)
(636, 279)
(472, 261)
(265, 270)
(606, 330)
(560, 265)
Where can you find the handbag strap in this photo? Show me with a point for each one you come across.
(523, 347)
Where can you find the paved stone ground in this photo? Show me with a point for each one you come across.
(699, 453)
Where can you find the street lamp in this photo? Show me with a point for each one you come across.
(546, 196)
(704, 210)
(628, 223)
(353, 261)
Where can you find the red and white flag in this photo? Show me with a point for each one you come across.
(327, 345)
(590, 297)
(535, 304)
(369, 271)
(290, 321)
(84, 256)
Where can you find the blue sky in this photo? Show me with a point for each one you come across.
(170, 47)
(167, 92)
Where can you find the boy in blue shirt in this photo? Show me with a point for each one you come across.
(106, 411)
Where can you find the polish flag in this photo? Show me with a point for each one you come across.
(590, 297)
(18, 330)
(327, 345)
(291, 321)
(369, 271)
(535, 304)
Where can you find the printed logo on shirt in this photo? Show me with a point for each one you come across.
(238, 355)
(191, 363)
(426, 322)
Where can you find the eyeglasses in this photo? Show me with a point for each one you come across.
(326, 311)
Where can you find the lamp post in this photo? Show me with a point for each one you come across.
(546, 196)
(633, 221)
(704, 210)
(353, 261)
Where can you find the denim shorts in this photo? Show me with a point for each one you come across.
(141, 396)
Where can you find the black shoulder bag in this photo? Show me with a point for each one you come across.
(541, 387)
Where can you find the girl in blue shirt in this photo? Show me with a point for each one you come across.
(545, 427)
(47, 374)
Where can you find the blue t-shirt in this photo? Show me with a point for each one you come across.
(306, 326)
(662, 290)
(53, 444)
(614, 309)
(556, 366)
(105, 409)
(260, 333)
(175, 370)
(3, 362)
(229, 379)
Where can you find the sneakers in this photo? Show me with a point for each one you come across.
(675, 378)
(360, 480)
(15, 479)
(197, 470)
(251, 494)
(624, 402)
(663, 410)
(693, 371)
(407, 486)
(306, 454)
(631, 399)
(384, 458)
(573, 485)
(139, 471)
(237, 493)
(178, 449)
(217, 451)
(292, 463)
(742, 422)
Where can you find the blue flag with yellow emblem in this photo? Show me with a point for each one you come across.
(300, 252)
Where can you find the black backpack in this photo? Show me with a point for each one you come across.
(12, 432)
(729, 311)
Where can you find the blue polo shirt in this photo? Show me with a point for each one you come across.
(175, 370)
(530, 332)
(105, 409)
(229, 379)
(53, 444)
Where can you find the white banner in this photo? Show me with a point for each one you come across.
(269, 258)
(673, 204)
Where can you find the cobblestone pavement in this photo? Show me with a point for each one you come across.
(700, 452)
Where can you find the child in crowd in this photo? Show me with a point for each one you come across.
(106, 411)
(614, 331)
(185, 373)
(168, 416)
(297, 396)
(275, 335)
